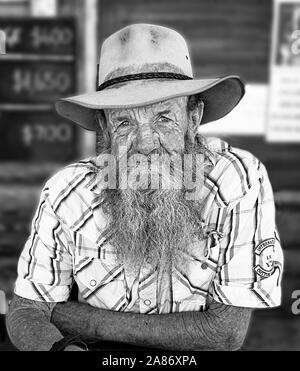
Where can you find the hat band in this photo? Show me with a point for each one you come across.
(143, 76)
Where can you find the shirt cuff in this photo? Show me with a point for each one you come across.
(258, 296)
(37, 291)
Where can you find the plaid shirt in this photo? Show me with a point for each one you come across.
(238, 263)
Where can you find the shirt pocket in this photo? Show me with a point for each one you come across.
(191, 285)
(99, 277)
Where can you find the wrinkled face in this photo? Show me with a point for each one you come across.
(145, 129)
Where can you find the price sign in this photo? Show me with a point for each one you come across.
(39, 36)
(39, 68)
(36, 136)
(35, 81)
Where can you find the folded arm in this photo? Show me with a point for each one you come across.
(28, 324)
(221, 327)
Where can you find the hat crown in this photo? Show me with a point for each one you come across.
(143, 48)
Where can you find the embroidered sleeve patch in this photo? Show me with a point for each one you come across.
(264, 253)
(263, 245)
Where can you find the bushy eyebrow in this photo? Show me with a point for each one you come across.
(162, 113)
(121, 118)
(162, 108)
(119, 115)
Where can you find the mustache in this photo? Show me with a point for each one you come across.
(157, 150)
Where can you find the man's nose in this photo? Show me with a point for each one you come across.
(144, 142)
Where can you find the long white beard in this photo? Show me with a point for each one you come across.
(157, 226)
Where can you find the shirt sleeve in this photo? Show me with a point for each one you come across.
(251, 258)
(45, 264)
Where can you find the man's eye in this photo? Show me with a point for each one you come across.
(124, 124)
(163, 119)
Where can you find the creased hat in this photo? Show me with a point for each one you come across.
(143, 64)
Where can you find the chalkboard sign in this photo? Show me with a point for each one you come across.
(24, 81)
(39, 36)
(36, 136)
(39, 67)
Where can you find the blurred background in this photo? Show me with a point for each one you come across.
(49, 49)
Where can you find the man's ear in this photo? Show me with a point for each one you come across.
(103, 133)
(195, 109)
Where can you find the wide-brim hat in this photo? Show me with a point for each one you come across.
(144, 64)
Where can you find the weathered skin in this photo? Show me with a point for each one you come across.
(144, 129)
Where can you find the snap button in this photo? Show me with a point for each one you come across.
(204, 265)
(93, 283)
(147, 302)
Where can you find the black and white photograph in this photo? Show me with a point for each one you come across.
(149, 178)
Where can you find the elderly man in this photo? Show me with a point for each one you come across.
(174, 257)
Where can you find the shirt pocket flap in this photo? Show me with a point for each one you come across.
(86, 248)
(96, 266)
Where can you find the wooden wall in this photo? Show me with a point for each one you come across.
(225, 36)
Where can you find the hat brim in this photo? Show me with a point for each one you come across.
(220, 96)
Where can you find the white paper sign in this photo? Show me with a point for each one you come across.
(247, 118)
(43, 8)
(284, 98)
